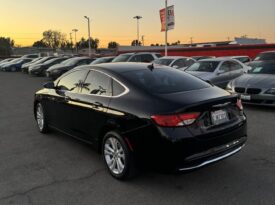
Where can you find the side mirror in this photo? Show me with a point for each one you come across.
(49, 85)
(175, 66)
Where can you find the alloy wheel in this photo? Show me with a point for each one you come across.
(114, 155)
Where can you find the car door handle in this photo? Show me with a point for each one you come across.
(98, 104)
(67, 98)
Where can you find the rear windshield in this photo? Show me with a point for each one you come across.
(122, 58)
(204, 66)
(265, 56)
(163, 61)
(164, 81)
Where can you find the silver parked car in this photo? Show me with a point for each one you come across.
(258, 85)
(218, 71)
(175, 61)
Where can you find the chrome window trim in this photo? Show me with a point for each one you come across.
(127, 90)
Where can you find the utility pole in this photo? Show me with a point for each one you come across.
(138, 18)
(75, 30)
(191, 41)
(89, 35)
(142, 39)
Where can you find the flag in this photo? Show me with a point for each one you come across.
(170, 18)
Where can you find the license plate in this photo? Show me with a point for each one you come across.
(219, 117)
(246, 97)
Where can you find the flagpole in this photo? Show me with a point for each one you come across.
(166, 27)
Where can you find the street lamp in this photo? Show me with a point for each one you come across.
(137, 17)
(89, 35)
(75, 30)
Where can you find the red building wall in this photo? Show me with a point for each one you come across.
(232, 50)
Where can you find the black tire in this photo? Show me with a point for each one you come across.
(40, 115)
(129, 170)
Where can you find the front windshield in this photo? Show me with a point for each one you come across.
(204, 66)
(164, 61)
(122, 58)
(262, 68)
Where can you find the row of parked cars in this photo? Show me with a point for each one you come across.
(234, 73)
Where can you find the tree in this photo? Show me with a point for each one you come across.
(40, 44)
(53, 39)
(83, 43)
(6, 45)
(135, 43)
(113, 44)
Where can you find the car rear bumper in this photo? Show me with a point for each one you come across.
(213, 155)
(188, 152)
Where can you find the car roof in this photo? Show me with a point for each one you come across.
(268, 52)
(216, 59)
(174, 57)
(120, 67)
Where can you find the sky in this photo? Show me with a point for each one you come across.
(112, 20)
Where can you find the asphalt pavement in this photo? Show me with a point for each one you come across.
(55, 169)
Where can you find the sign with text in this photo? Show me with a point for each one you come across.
(170, 18)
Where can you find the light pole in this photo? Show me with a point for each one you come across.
(137, 17)
(89, 35)
(75, 30)
(166, 27)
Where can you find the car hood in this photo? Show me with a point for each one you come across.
(201, 75)
(255, 80)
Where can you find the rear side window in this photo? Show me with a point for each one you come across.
(164, 81)
(118, 89)
(97, 83)
(72, 82)
(235, 66)
(146, 58)
(204, 66)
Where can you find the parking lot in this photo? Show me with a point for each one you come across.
(56, 169)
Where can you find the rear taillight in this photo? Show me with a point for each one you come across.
(176, 120)
(239, 104)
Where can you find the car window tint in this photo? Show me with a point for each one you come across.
(235, 66)
(136, 58)
(97, 83)
(146, 58)
(164, 81)
(204, 66)
(225, 66)
(118, 89)
(180, 63)
(72, 81)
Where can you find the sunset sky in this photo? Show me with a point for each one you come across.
(112, 20)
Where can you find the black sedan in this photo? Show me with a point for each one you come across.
(25, 67)
(15, 66)
(59, 69)
(40, 69)
(141, 114)
(258, 86)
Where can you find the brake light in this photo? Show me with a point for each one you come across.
(176, 120)
(239, 104)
